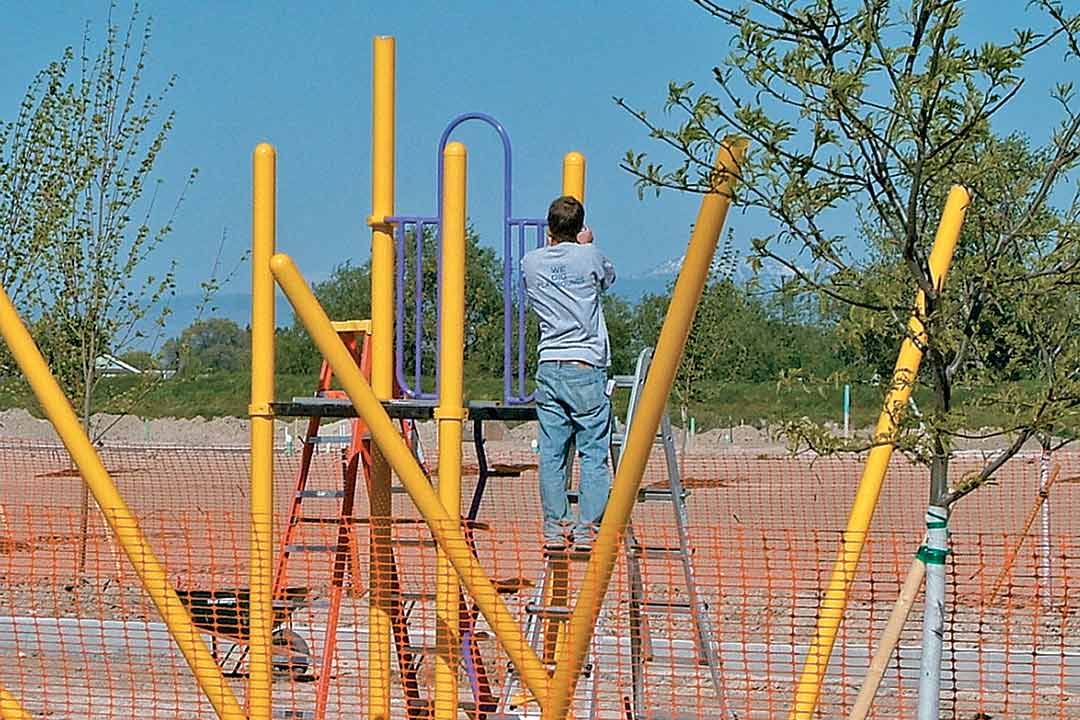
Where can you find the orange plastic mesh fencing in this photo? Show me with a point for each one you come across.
(80, 638)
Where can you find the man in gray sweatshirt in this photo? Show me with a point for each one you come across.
(564, 281)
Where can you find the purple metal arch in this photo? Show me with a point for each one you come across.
(512, 283)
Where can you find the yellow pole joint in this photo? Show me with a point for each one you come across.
(381, 555)
(122, 521)
(10, 709)
(263, 231)
(877, 462)
(573, 176)
(624, 490)
(447, 532)
(449, 416)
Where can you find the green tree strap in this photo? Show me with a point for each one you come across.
(931, 556)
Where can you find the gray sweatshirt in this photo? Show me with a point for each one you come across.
(564, 283)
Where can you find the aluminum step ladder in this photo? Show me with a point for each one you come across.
(547, 616)
(637, 552)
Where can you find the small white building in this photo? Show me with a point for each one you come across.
(110, 366)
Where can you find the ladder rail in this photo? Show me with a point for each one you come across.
(640, 637)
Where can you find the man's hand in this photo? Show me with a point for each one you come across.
(584, 237)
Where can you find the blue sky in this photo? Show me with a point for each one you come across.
(299, 75)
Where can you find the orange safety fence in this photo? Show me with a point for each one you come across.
(764, 529)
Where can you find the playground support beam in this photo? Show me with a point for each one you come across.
(447, 533)
(639, 443)
(573, 176)
(866, 496)
(263, 229)
(10, 709)
(124, 526)
(381, 557)
(450, 415)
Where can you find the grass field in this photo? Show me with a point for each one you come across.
(227, 394)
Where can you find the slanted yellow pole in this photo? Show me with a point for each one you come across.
(10, 709)
(447, 533)
(124, 526)
(263, 224)
(449, 415)
(573, 176)
(654, 395)
(381, 554)
(866, 496)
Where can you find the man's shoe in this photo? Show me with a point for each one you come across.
(556, 544)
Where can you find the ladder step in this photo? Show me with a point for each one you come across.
(569, 554)
(320, 494)
(549, 612)
(673, 606)
(624, 381)
(648, 494)
(304, 547)
(311, 520)
(659, 493)
(415, 542)
(619, 439)
(656, 551)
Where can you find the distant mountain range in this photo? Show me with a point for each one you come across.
(656, 280)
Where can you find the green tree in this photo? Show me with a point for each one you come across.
(859, 119)
(346, 295)
(85, 146)
(141, 359)
(208, 346)
(110, 136)
(622, 333)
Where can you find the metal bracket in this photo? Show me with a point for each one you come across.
(260, 410)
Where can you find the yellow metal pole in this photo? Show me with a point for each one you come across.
(447, 533)
(381, 557)
(866, 496)
(124, 526)
(573, 176)
(450, 414)
(624, 490)
(263, 228)
(10, 709)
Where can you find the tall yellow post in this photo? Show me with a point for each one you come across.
(263, 225)
(449, 415)
(381, 558)
(10, 709)
(121, 521)
(573, 176)
(639, 443)
(866, 497)
(447, 533)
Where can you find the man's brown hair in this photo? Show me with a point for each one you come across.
(565, 219)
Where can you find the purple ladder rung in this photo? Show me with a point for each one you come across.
(419, 225)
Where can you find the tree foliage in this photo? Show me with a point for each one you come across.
(860, 118)
(83, 204)
(213, 345)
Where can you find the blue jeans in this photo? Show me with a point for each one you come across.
(572, 405)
